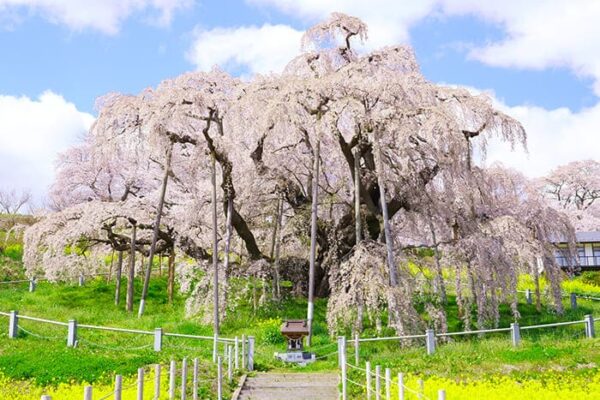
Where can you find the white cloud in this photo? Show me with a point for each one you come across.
(539, 33)
(102, 15)
(555, 137)
(258, 49)
(32, 132)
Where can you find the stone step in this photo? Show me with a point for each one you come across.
(290, 386)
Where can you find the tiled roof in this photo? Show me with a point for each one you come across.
(584, 237)
(294, 326)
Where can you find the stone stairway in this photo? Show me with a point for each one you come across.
(290, 386)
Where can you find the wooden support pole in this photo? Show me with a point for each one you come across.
(573, 301)
(118, 278)
(357, 221)
(131, 272)
(215, 248)
(356, 349)
(313, 239)
(215, 347)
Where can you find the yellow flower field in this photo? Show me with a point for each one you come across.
(24, 390)
(546, 386)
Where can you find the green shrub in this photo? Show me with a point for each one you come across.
(270, 331)
(591, 278)
(14, 252)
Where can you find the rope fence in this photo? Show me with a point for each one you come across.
(73, 338)
(431, 337)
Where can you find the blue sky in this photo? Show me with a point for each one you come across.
(58, 56)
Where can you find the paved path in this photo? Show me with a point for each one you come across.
(291, 386)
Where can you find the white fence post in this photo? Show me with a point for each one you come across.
(356, 349)
(32, 284)
(81, 280)
(157, 374)
(118, 387)
(400, 386)
(87, 393)
(219, 378)
(244, 365)
(528, 297)
(72, 333)
(140, 384)
(230, 363)
(183, 378)
(250, 353)
(342, 350)
(388, 384)
(172, 377)
(237, 354)
(430, 341)
(46, 397)
(158, 339)
(441, 394)
(573, 301)
(13, 324)
(368, 373)
(590, 330)
(515, 333)
(421, 389)
(377, 382)
(195, 380)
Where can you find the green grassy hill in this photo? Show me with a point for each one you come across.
(40, 357)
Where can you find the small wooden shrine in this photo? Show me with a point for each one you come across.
(294, 330)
